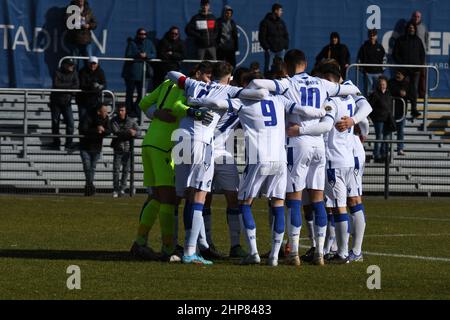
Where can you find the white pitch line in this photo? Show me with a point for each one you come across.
(396, 255)
(407, 235)
(406, 256)
(410, 218)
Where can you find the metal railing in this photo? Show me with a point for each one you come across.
(26, 93)
(50, 136)
(389, 159)
(427, 89)
(144, 66)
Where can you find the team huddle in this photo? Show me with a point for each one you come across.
(303, 149)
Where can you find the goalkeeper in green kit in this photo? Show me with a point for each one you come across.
(165, 106)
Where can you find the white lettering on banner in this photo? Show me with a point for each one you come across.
(439, 43)
(256, 46)
(5, 28)
(38, 40)
(374, 20)
(255, 35)
(102, 46)
(435, 43)
(24, 41)
(42, 40)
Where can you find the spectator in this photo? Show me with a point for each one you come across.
(237, 76)
(422, 33)
(170, 49)
(381, 102)
(79, 39)
(408, 49)
(255, 69)
(337, 51)
(399, 86)
(92, 82)
(227, 37)
(60, 103)
(94, 129)
(126, 129)
(140, 48)
(371, 52)
(273, 35)
(202, 28)
(278, 69)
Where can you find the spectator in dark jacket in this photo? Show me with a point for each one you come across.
(203, 30)
(60, 103)
(371, 52)
(171, 50)
(227, 39)
(139, 48)
(399, 87)
(337, 51)
(408, 49)
(273, 36)
(381, 102)
(79, 37)
(92, 82)
(422, 33)
(94, 129)
(126, 129)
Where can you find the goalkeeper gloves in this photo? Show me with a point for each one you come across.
(202, 114)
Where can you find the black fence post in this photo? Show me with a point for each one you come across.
(131, 167)
(387, 160)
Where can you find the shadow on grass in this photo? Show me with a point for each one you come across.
(68, 255)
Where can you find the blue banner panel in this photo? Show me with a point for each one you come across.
(32, 31)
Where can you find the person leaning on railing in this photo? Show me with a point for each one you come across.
(94, 128)
(139, 48)
(381, 102)
(399, 87)
(60, 102)
(92, 82)
(409, 49)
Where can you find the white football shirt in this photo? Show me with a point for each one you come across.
(264, 126)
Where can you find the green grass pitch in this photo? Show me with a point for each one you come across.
(41, 236)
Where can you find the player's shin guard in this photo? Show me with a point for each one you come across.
(167, 222)
(309, 217)
(175, 235)
(208, 223)
(277, 231)
(147, 220)
(295, 223)
(331, 235)
(190, 242)
(320, 225)
(359, 227)
(234, 226)
(342, 233)
(249, 226)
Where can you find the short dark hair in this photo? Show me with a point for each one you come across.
(294, 57)
(276, 6)
(247, 77)
(121, 106)
(203, 67)
(372, 32)
(221, 69)
(329, 67)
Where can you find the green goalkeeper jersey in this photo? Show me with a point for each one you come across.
(167, 96)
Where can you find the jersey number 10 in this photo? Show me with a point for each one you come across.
(308, 95)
